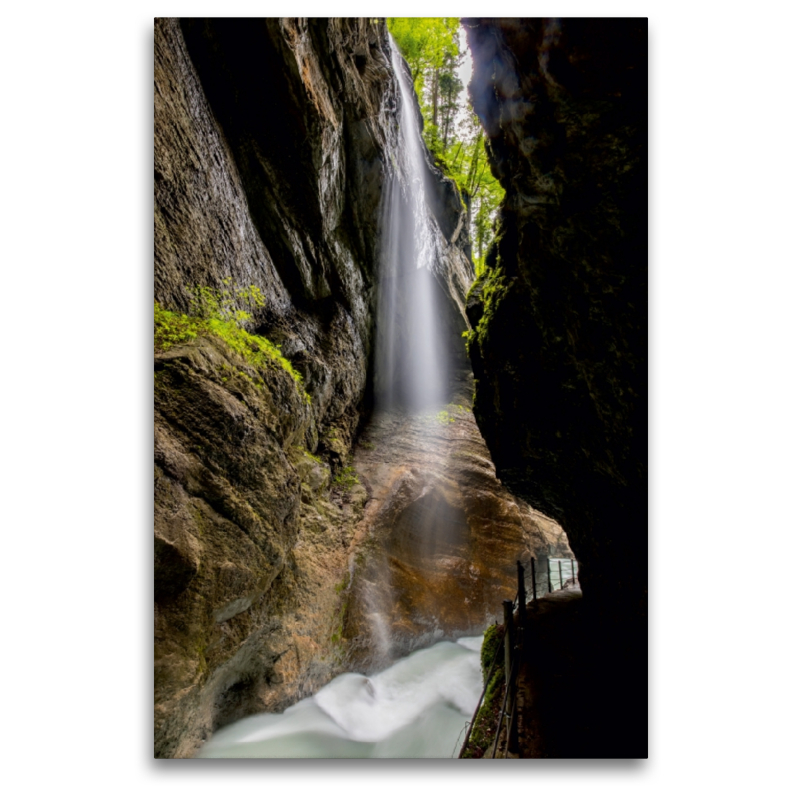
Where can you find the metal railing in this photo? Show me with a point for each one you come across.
(559, 572)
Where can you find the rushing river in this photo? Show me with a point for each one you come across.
(417, 708)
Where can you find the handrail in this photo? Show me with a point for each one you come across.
(511, 681)
(516, 656)
(510, 723)
(503, 708)
(483, 693)
(480, 699)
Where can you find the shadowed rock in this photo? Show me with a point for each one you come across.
(559, 350)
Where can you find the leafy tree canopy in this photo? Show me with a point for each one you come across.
(426, 43)
(451, 130)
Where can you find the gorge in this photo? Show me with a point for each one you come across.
(326, 500)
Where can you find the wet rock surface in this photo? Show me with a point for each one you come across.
(560, 343)
(435, 553)
(248, 546)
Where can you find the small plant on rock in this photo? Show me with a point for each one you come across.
(346, 479)
(223, 313)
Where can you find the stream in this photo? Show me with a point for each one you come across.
(416, 708)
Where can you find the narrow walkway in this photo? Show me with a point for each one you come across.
(582, 687)
(546, 683)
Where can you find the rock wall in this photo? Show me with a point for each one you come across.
(269, 158)
(559, 348)
(560, 344)
(273, 141)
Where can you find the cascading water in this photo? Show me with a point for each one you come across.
(411, 367)
(411, 363)
(419, 706)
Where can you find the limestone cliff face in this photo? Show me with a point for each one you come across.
(273, 140)
(559, 350)
(270, 144)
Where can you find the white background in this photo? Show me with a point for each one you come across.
(76, 395)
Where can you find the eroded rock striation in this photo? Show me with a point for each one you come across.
(559, 349)
(435, 552)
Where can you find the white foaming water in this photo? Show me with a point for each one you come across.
(410, 364)
(417, 708)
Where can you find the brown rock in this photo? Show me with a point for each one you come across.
(270, 149)
(436, 552)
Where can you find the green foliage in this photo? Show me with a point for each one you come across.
(492, 667)
(431, 48)
(170, 328)
(427, 43)
(222, 313)
(469, 167)
(495, 287)
(346, 479)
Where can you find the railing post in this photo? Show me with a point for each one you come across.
(521, 592)
(511, 678)
(560, 576)
(574, 572)
(533, 576)
(549, 581)
(508, 619)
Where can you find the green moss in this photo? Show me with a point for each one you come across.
(492, 666)
(492, 640)
(495, 288)
(493, 285)
(257, 351)
(171, 329)
(483, 731)
(347, 478)
(340, 587)
(222, 313)
(444, 417)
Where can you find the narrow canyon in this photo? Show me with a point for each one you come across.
(361, 424)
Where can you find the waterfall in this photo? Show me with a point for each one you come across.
(411, 364)
(420, 705)
(411, 367)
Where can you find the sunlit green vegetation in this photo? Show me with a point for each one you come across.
(223, 313)
(451, 130)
